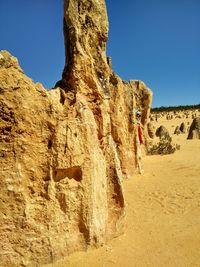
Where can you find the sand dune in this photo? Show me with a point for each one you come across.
(162, 215)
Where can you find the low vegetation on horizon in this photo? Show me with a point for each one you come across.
(175, 108)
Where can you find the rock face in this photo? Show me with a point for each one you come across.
(162, 132)
(150, 130)
(64, 152)
(194, 131)
(183, 127)
(177, 130)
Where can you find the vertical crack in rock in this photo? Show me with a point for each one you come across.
(61, 186)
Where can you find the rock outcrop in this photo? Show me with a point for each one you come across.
(177, 130)
(183, 127)
(150, 130)
(194, 130)
(162, 132)
(65, 152)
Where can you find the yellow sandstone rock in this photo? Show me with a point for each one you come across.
(65, 152)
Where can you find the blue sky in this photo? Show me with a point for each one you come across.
(157, 41)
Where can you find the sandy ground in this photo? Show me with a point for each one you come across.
(162, 214)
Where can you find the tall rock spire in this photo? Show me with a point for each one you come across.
(85, 33)
(64, 152)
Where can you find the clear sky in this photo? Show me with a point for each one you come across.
(157, 41)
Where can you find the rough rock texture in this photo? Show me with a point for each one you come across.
(64, 152)
(194, 131)
(183, 127)
(162, 132)
(177, 130)
(150, 130)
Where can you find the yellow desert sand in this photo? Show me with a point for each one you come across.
(162, 214)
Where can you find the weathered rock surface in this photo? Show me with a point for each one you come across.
(194, 130)
(183, 127)
(162, 132)
(64, 152)
(150, 130)
(177, 130)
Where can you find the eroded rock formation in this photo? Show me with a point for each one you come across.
(150, 130)
(162, 132)
(65, 152)
(194, 130)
